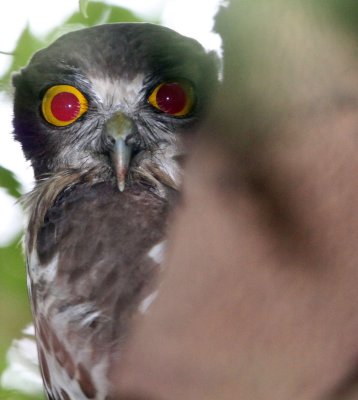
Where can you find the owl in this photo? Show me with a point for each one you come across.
(106, 117)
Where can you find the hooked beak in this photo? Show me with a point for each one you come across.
(119, 127)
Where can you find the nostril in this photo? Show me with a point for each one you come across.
(104, 144)
(112, 140)
(135, 142)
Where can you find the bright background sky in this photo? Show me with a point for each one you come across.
(190, 17)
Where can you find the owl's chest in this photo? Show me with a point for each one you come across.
(93, 262)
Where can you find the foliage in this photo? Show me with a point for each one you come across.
(9, 182)
(345, 12)
(83, 7)
(92, 13)
(14, 305)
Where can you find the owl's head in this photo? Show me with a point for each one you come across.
(113, 97)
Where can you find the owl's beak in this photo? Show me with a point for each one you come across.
(119, 127)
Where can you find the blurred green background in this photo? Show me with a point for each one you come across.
(14, 306)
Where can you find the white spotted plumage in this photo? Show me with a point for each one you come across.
(157, 252)
(148, 301)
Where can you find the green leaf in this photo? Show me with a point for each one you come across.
(99, 13)
(12, 395)
(14, 304)
(346, 13)
(83, 7)
(26, 45)
(9, 182)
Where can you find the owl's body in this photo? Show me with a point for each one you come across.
(89, 275)
(103, 115)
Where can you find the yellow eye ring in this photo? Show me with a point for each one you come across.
(63, 104)
(173, 98)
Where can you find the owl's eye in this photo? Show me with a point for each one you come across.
(63, 104)
(174, 98)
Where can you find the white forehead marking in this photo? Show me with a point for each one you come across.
(115, 93)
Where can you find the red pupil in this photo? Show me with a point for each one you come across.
(65, 106)
(171, 98)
